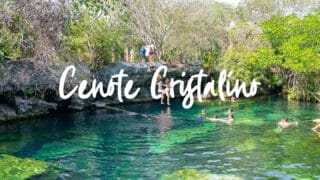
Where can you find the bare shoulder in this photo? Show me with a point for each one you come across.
(316, 120)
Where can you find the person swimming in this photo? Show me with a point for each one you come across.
(202, 115)
(316, 128)
(283, 123)
(230, 112)
(214, 119)
(228, 120)
(233, 99)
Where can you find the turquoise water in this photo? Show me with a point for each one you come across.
(108, 144)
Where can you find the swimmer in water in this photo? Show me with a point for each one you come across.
(229, 120)
(316, 128)
(230, 112)
(283, 124)
(203, 113)
(215, 119)
(233, 99)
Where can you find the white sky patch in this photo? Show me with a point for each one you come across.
(233, 2)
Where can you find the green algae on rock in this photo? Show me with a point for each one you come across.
(247, 145)
(189, 174)
(17, 168)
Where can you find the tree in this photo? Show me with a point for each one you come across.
(151, 21)
(92, 40)
(296, 45)
(199, 32)
(16, 39)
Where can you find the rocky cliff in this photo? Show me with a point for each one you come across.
(29, 88)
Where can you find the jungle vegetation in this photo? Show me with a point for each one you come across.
(276, 41)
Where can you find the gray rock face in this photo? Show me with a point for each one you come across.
(30, 88)
(24, 74)
(142, 74)
(32, 106)
(7, 113)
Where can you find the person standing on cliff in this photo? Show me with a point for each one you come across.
(143, 54)
(166, 92)
(160, 88)
(151, 54)
(132, 54)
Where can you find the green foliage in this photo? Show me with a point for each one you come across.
(16, 40)
(211, 58)
(296, 44)
(291, 58)
(95, 7)
(92, 40)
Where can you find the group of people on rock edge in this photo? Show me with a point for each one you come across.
(147, 53)
(282, 124)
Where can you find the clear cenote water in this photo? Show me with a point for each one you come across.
(109, 144)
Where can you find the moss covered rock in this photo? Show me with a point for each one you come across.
(12, 167)
(190, 174)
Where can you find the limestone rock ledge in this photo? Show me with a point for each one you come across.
(29, 88)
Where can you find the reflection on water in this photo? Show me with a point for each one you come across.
(107, 144)
(164, 120)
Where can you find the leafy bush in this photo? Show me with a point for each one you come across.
(91, 40)
(16, 40)
(285, 53)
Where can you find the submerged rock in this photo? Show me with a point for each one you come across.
(247, 145)
(179, 136)
(16, 168)
(188, 174)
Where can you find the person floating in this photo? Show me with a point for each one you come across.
(228, 120)
(316, 128)
(283, 124)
